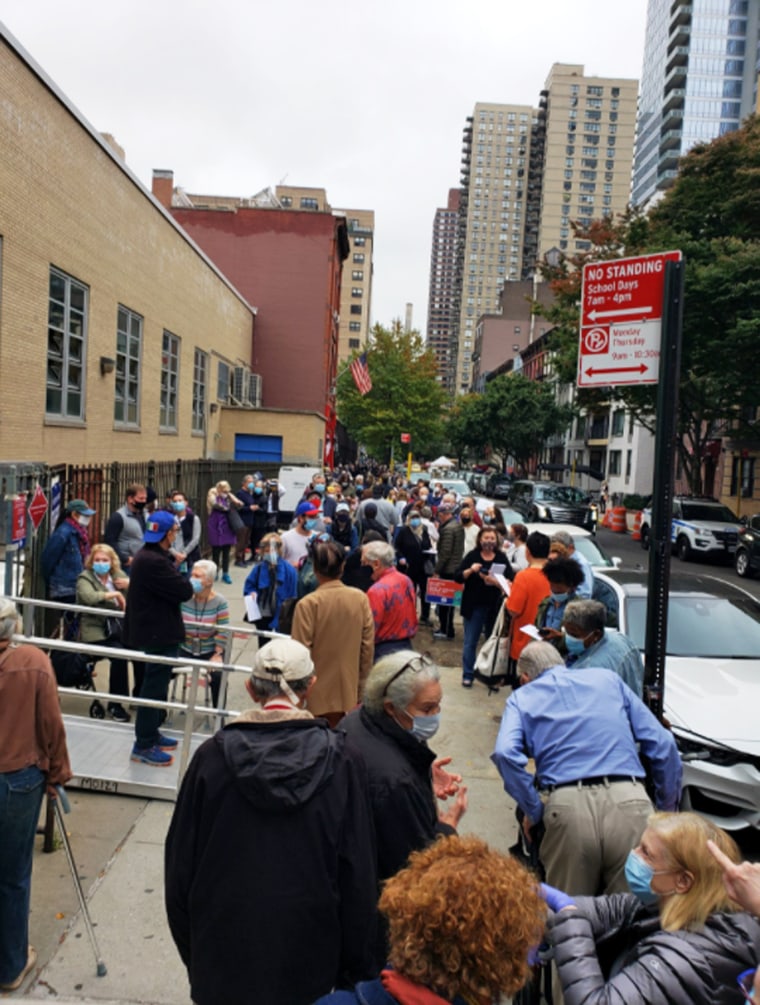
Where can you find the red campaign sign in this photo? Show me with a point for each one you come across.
(621, 320)
(444, 591)
(38, 507)
(18, 533)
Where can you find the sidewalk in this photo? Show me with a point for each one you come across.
(118, 845)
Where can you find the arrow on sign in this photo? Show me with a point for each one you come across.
(641, 368)
(632, 311)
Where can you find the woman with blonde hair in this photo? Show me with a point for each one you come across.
(677, 938)
(223, 525)
(462, 919)
(103, 584)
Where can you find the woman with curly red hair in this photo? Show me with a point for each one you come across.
(462, 919)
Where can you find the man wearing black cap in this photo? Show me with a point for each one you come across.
(63, 559)
(270, 862)
(153, 623)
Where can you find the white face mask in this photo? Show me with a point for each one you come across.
(83, 521)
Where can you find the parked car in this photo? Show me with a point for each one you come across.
(478, 482)
(549, 502)
(498, 486)
(584, 542)
(699, 527)
(747, 557)
(712, 687)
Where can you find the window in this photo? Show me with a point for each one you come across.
(222, 382)
(286, 201)
(354, 343)
(616, 457)
(743, 476)
(618, 422)
(356, 308)
(200, 373)
(359, 258)
(67, 342)
(354, 326)
(357, 291)
(359, 242)
(169, 381)
(357, 275)
(128, 352)
(309, 203)
(628, 463)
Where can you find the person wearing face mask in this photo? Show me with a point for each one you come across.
(393, 600)
(103, 584)
(590, 643)
(343, 529)
(414, 555)
(186, 550)
(252, 499)
(399, 715)
(470, 528)
(63, 560)
(126, 527)
(205, 617)
(295, 541)
(678, 937)
(584, 729)
(481, 597)
(272, 580)
(565, 576)
(223, 524)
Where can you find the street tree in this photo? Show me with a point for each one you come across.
(406, 396)
(466, 431)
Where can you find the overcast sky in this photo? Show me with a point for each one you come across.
(366, 99)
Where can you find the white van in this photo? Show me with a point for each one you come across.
(294, 479)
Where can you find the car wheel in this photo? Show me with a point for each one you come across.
(683, 548)
(645, 537)
(741, 563)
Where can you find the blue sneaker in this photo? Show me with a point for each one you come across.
(153, 756)
(226, 578)
(166, 742)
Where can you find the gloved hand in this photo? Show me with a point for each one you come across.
(556, 899)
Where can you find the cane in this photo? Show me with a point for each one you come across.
(62, 805)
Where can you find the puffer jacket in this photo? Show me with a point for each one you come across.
(618, 934)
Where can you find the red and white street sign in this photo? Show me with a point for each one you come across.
(38, 507)
(621, 320)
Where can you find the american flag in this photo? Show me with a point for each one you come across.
(360, 373)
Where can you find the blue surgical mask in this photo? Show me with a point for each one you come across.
(310, 524)
(101, 568)
(639, 875)
(559, 597)
(319, 487)
(575, 646)
(424, 727)
(178, 507)
(197, 584)
(272, 556)
(257, 490)
(415, 522)
(249, 486)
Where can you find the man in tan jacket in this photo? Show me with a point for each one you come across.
(335, 623)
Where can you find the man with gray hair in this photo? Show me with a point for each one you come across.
(583, 728)
(590, 644)
(270, 857)
(393, 599)
(586, 589)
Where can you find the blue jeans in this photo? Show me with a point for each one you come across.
(20, 799)
(155, 686)
(481, 620)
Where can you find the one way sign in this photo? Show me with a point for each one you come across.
(621, 320)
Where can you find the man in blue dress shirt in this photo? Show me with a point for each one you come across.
(590, 644)
(582, 727)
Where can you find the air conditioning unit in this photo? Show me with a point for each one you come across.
(254, 390)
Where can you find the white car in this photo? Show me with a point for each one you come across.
(584, 542)
(712, 688)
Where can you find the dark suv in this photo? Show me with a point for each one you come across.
(549, 502)
(499, 486)
(747, 558)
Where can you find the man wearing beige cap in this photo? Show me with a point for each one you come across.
(270, 861)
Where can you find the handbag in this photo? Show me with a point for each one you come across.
(492, 662)
(235, 520)
(429, 567)
(113, 630)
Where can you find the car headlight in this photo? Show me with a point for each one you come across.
(543, 512)
(701, 532)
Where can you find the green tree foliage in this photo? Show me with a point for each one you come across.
(517, 417)
(466, 431)
(405, 397)
(712, 215)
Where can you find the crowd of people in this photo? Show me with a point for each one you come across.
(313, 854)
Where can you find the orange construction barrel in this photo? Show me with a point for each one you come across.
(618, 520)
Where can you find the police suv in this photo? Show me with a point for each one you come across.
(699, 526)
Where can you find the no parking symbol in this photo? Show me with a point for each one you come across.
(596, 340)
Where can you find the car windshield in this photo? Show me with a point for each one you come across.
(559, 493)
(461, 488)
(703, 626)
(588, 547)
(707, 511)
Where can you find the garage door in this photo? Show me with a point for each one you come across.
(249, 447)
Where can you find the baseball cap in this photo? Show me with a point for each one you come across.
(158, 525)
(342, 507)
(79, 506)
(282, 660)
(307, 508)
(445, 508)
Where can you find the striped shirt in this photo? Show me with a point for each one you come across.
(213, 615)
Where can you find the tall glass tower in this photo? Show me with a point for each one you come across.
(698, 81)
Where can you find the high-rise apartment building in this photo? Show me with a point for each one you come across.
(442, 297)
(356, 288)
(526, 175)
(698, 81)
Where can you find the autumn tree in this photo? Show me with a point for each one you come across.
(406, 396)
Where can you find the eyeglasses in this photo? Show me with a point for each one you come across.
(415, 664)
(745, 980)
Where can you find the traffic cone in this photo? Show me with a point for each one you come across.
(636, 535)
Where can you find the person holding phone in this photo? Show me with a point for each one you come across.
(565, 576)
(482, 594)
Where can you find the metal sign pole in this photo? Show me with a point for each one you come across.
(662, 500)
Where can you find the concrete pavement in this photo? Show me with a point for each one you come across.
(118, 845)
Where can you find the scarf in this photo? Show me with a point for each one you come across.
(83, 539)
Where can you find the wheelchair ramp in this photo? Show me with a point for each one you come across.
(100, 751)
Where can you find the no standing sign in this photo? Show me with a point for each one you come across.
(621, 320)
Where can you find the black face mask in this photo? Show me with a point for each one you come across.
(140, 505)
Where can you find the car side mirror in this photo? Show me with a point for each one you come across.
(617, 561)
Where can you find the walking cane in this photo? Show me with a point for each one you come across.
(62, 805)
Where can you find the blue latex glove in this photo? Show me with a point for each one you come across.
(556, 899)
